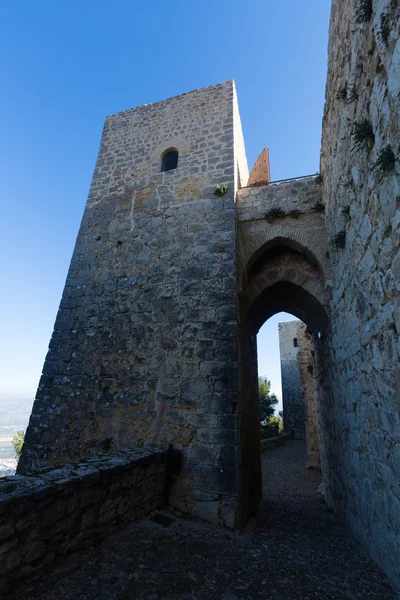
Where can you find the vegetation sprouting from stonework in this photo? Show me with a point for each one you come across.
(220, 190)
(270, 425)
(345, 211)
(339, 240)
(383, 32)
(342, 93)
(385, 161)
(364, 11)
(275, 213)
(352, 94)
(107, 444)
(363, 134)
(318, 178)
(319, 207)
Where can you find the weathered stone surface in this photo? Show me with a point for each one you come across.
(77, 502)
(363, 85)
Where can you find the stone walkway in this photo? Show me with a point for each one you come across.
(294, 550)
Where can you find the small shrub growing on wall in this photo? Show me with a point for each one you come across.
(364, 11)
(363, 134)
(107, 444)
(384, 31)
(339, 240)
(352, 95)
(385, 161)
(319, 207)
(270, 425)
(275, 213)
(220, 190)
(345, 211)
(342, 93)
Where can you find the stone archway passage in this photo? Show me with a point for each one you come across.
(281, 275)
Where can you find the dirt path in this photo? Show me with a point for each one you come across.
(293, 551)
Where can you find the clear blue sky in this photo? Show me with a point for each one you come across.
(64, 66)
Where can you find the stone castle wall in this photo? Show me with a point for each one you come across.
(54, 513)
(361, 190)
(307, 365)
(299, 389)
(144, 344)
(293, 398)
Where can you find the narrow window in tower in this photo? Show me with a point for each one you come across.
(169, 160)
(295, 343)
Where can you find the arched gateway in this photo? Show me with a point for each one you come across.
(174, 271)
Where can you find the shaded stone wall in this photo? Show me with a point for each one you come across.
(55, 512)
(361, 190)
(299, 387)
(282, 265)
(144, 344)
(292, 388)
(307, 365)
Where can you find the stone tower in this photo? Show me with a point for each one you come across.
(299, 386)
(144, 344)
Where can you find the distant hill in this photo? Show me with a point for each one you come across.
(14, 415)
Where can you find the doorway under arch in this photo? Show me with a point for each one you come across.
(282, 279)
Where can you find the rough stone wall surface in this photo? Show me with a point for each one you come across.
(300, 226)
(52, 513)
(307, 368)
(144, 344)
(292, 388)
(361, 191)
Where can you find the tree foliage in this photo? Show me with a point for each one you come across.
(270, 425)
(18, 442)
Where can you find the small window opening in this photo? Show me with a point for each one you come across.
(295, 343)
(169, 160)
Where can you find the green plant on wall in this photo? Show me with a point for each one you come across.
(220, 190)
(319, 207)
(342, 93)
(363, 134)
(345, 211)
(385, 161)
(275, 213)
(383, 32)
(364, 11)
(339, 240)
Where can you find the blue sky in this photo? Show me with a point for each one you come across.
(64, 66)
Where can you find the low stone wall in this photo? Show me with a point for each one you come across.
(274, 442)
(53, 512)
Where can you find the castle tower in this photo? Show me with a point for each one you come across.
(144, 344)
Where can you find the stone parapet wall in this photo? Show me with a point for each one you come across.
(49, 514)
(293, 195)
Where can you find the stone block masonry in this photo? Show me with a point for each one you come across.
(362, 197)
(52, 513)
(292, 388)
(144, 345)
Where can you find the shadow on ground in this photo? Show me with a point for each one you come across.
(294, 550)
